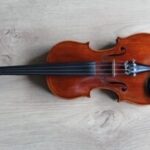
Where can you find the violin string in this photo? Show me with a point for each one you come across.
(48, 72)
(55, 67)
(63, 70)
(49, 69)
(67, 71)
(62, 65)
(53, 74)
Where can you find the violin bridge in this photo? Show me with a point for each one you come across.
(114, 68)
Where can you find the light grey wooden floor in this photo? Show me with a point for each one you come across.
(33, 119)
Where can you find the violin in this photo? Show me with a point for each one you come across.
(73, 69)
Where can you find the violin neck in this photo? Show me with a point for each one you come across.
(84, 68)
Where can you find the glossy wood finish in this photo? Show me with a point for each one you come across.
(129, 88)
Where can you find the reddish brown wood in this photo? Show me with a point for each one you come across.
(133, 47)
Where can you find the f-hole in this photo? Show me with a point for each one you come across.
(122, 52)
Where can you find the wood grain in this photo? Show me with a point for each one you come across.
(33, 119)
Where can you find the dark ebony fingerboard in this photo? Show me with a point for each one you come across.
(84, 68)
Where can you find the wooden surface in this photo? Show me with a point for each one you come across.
(33, 119)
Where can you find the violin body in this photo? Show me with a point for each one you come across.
(120, 80)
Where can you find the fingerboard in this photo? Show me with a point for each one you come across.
(67, 69)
